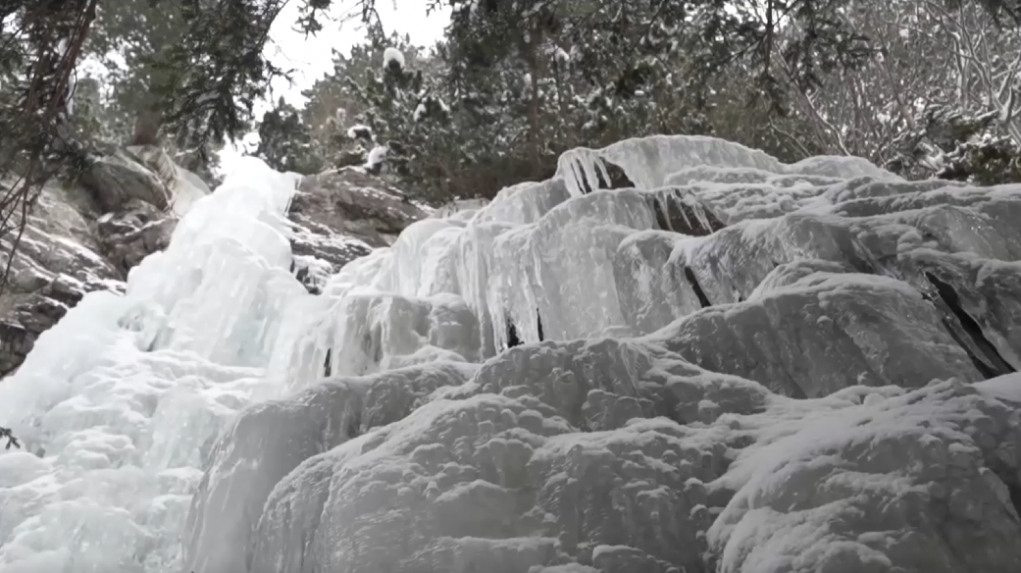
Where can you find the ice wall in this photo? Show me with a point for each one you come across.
(116, 405)
(737, 365)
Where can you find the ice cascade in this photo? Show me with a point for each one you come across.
(712, 362)
(116, 404)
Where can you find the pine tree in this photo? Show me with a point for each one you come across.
(397, 104)
(40, 41)
(285, 141)
(203, 83)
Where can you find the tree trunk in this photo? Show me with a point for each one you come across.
(147, 126)
(534, 104)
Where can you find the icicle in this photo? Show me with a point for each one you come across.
(581, 170)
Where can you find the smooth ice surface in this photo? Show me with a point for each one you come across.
(736, 365)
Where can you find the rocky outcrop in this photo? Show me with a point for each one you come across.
(131, 233)
(59, 259)
(143, 174)
(353, 203)
(340, 215)
(119, 177)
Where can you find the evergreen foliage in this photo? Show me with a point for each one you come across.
(513, 85)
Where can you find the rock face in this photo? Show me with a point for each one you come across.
(341, 215)
(735, 366)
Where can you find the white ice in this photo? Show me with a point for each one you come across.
(116, 403)
(792, 425)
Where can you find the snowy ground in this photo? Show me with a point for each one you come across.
(740, 366)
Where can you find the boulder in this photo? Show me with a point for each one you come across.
(354, 203)
(120, 177)
(130, 234)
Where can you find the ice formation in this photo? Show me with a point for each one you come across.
(733, 365)
(116, 403)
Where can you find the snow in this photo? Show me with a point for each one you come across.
(187, 189)
(377, 155)
(738, 365)
(393, 57)
(561, 57)
(1004, 387)
(359, 131)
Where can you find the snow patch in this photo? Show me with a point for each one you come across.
(392, 57)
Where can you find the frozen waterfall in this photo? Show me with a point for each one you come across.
(727, 364)
(116, 405)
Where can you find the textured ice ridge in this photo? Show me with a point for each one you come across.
(724, 363)
(733, 365)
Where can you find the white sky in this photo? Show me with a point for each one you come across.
(311, 57)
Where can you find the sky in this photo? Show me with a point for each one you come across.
(311, 57)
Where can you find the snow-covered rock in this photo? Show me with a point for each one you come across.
(341, 215)
(737, 366)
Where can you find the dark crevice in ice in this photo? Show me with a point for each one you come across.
(661, 217)
(618, 179)
(968, 333)
(1015, 495)
(693, 281)
(514, 339)
(512, 335)
(676, 214)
